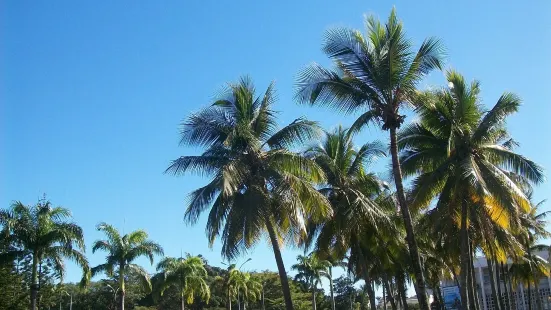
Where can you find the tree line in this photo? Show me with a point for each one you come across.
(457, 185)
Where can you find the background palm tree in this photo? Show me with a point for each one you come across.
(376, 74)
(465, 156)
(121, 252)
(43, 233)
(352, 191)
(188, 274)
(258, 186)
(311, 270)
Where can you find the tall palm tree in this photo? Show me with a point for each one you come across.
(258, 185)
(188, 274)
(464, 155)
(351, 190)
(43, 233)
(376, 74)
(311, 270)
(121, 253)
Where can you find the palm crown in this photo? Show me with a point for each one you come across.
(257, 184)
(122, 251)
(188, 274)
(44, 233)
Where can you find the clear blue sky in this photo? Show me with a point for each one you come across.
(92, 93)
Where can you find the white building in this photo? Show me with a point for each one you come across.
(520, 294)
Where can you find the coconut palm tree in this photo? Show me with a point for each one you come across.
(311, 270)
(376, 74)
(465, 156)
(188, 274)
(122, 251)
(258, 185)
(351, 191)
(43, 233)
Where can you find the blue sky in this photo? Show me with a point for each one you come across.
(92, 93)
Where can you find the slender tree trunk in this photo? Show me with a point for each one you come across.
(263, 305)
(314, 298)
(471, 284)
(34, 282)
(122, 287)
(384, 297)
(463, 274)
(507, 301)
(229, 299)
(367, 278)
(529, 296)
(410, 235)
(440, 298)
(403, 291)
(183, 303)
(493, 282)
(280, 266)
(331, 289)
(389, 294)
(474, 287)
(498, 278)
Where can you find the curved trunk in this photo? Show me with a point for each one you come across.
(280, 266)
(410, 235)
(493, 283)
(464, 235)
(331, 289)
(472, 284)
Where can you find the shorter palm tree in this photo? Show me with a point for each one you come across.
(311, 269)
(44, 234)
(188, 274)
(122, 251)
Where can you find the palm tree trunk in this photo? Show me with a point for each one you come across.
(229, 299)
(474, 288)
(367, 278)
(403, 290)
(280, 266)
(384, 297)
(493, 282)
(314, 298)
(471, 282)
(331, 289)
(529, 296)
(498, 278)
(389, 294)
(183, 303)
(410, 235)
(34, 282)
(538, 297)
(463, 274)
(507, 301)
(122, 287)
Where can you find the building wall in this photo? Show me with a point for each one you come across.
(520, 294)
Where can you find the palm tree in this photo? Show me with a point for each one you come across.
(464, 155)
(310, 269)
(188, 274)
(258, 186)
(376, 74)
(44, 234)
(121, 252)
(351, 190)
